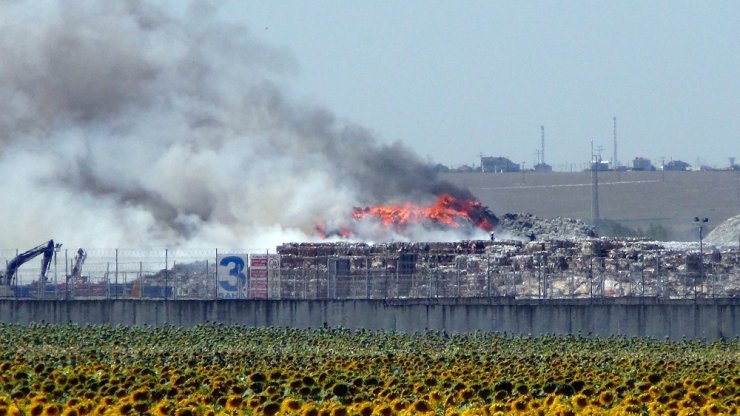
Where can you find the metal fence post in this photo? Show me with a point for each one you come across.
(367, 278)
(166, 273)
(317, 289)
(107, 278)
(572, 283)
(385, 274)
(116, 276)
(457, 271)
(488, 274)
(658, 278)
(305, 281)
(141, 280)
(591, 276)
(66, 276)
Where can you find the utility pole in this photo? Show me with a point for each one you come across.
(700, 223)
(542, 145)
(615, 163)
(523, 171)
(662, 169)
(595, 164)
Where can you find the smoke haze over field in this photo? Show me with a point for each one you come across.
(125, 125)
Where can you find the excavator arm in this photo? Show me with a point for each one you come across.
(76, 274)
(47, 249)
(77, 267)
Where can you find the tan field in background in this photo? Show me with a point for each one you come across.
(634, 199)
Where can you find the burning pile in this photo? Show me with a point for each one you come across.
(464, 215)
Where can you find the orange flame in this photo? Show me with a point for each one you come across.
(446, 211)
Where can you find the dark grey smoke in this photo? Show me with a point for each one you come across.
(124, 123)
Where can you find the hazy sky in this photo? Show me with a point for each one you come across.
(454, 79)
(161, 122)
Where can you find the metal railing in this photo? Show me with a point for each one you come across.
(251, 274)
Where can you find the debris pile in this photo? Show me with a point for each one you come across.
(529, 227)
(565, 268)
(537, 269)
(726, 234)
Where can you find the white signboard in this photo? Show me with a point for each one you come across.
(232, 276)
(263, 271)
(258, 276)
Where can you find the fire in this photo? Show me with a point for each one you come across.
(446, 212)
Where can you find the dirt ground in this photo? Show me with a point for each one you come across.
(634, 199)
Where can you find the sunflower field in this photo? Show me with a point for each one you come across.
(218, 369)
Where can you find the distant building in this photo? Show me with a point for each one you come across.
(542, 167)
(498, 164)
(601, 165)
(441, 168)
(677, 165)
(465, 168)
(641, 163)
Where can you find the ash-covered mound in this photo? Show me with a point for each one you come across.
(525, 226)
(726, 234)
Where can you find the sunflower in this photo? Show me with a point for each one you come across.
(15, 411)
(36, 409)
(365, 409)
(466, 394)
(139, 395)
(399, 404)
(272, 390)
(339, 411)
(235, 402)
(141, 407)
(518, 406)
(271, 409)
(253, 403)
(713, 409)
(606, 398)
(697, 398)
(186, 411)
(580, 401)
(421, 406)
(125, 408)
(52, 410)
(435, 398)
(71, 411)
(309, 410)
(162, 409)
(340, 390)
(500, 395)
(290, 405)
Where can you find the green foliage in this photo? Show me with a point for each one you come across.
(611, 228)
(657, 232)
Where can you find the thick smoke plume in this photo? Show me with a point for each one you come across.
(125, 125)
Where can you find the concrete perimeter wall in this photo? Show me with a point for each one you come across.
(675, 319)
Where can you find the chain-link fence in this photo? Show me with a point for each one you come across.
(245, 274)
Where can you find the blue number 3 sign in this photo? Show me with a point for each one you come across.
(236, 274)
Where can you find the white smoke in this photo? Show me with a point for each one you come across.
(124, 125)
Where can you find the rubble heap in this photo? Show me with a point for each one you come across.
(539, 269)
(528, 227)
(575, 268)
(726, 234)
